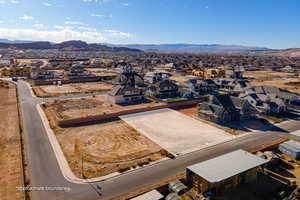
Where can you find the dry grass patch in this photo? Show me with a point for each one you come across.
(266, 74)
(283, 83)
(11, 173)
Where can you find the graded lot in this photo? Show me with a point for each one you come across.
(73, 88)
(90, 106)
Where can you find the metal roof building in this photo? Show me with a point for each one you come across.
(152, 195)
(291, 148)
(226, 166)
(177, 187)
(173, 196)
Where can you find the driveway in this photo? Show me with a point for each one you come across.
(176, 132)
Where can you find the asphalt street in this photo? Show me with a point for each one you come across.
(44, 169)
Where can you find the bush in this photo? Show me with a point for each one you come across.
(167, 154)
(124, 169)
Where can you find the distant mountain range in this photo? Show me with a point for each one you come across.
(195, 48)
(14, 41)
(80, 45)
(74, 45)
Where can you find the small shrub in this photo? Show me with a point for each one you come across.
(124, 169)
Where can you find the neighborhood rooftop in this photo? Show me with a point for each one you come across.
(226, 166)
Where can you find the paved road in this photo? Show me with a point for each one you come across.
(44, 169)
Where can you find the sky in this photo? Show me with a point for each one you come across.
(263, 23)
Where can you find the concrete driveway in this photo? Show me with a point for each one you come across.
(176, 132)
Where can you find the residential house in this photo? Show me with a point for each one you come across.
(154, 77)
(225, 108)
(264, 104)
(200, 86)
(163, 89)
(77, 72)
(286, 97)
(235, 73)
(266, 99)
(125, 94)
(42, 74)
(288, 68)
(274, 92)
(232, 85)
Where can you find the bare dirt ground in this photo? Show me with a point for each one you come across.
(288, 52)
(75, 108)
(283, 83)
(11, 174)
(182, 79)
(104, 148)
(266, 74)
(74, 88)
(101, 72)
(290, 169)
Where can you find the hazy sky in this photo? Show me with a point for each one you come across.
(266, 23)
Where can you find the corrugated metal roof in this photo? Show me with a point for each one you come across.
(152, 195)
(292, 145)
(226, 166)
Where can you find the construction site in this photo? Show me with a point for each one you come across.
(123, 143)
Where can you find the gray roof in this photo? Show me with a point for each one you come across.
(225, 100)
(152, 195)
(239, 68)
(292, 145)
(177, 186)
(121, 90)
(173, 196)
(226, 166)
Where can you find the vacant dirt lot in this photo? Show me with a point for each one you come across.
(101, 72)
(10, 154)
(106, 148)
(75, 108)
(283, 83)
(182, 79)
(266, 74)
(74, 88)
